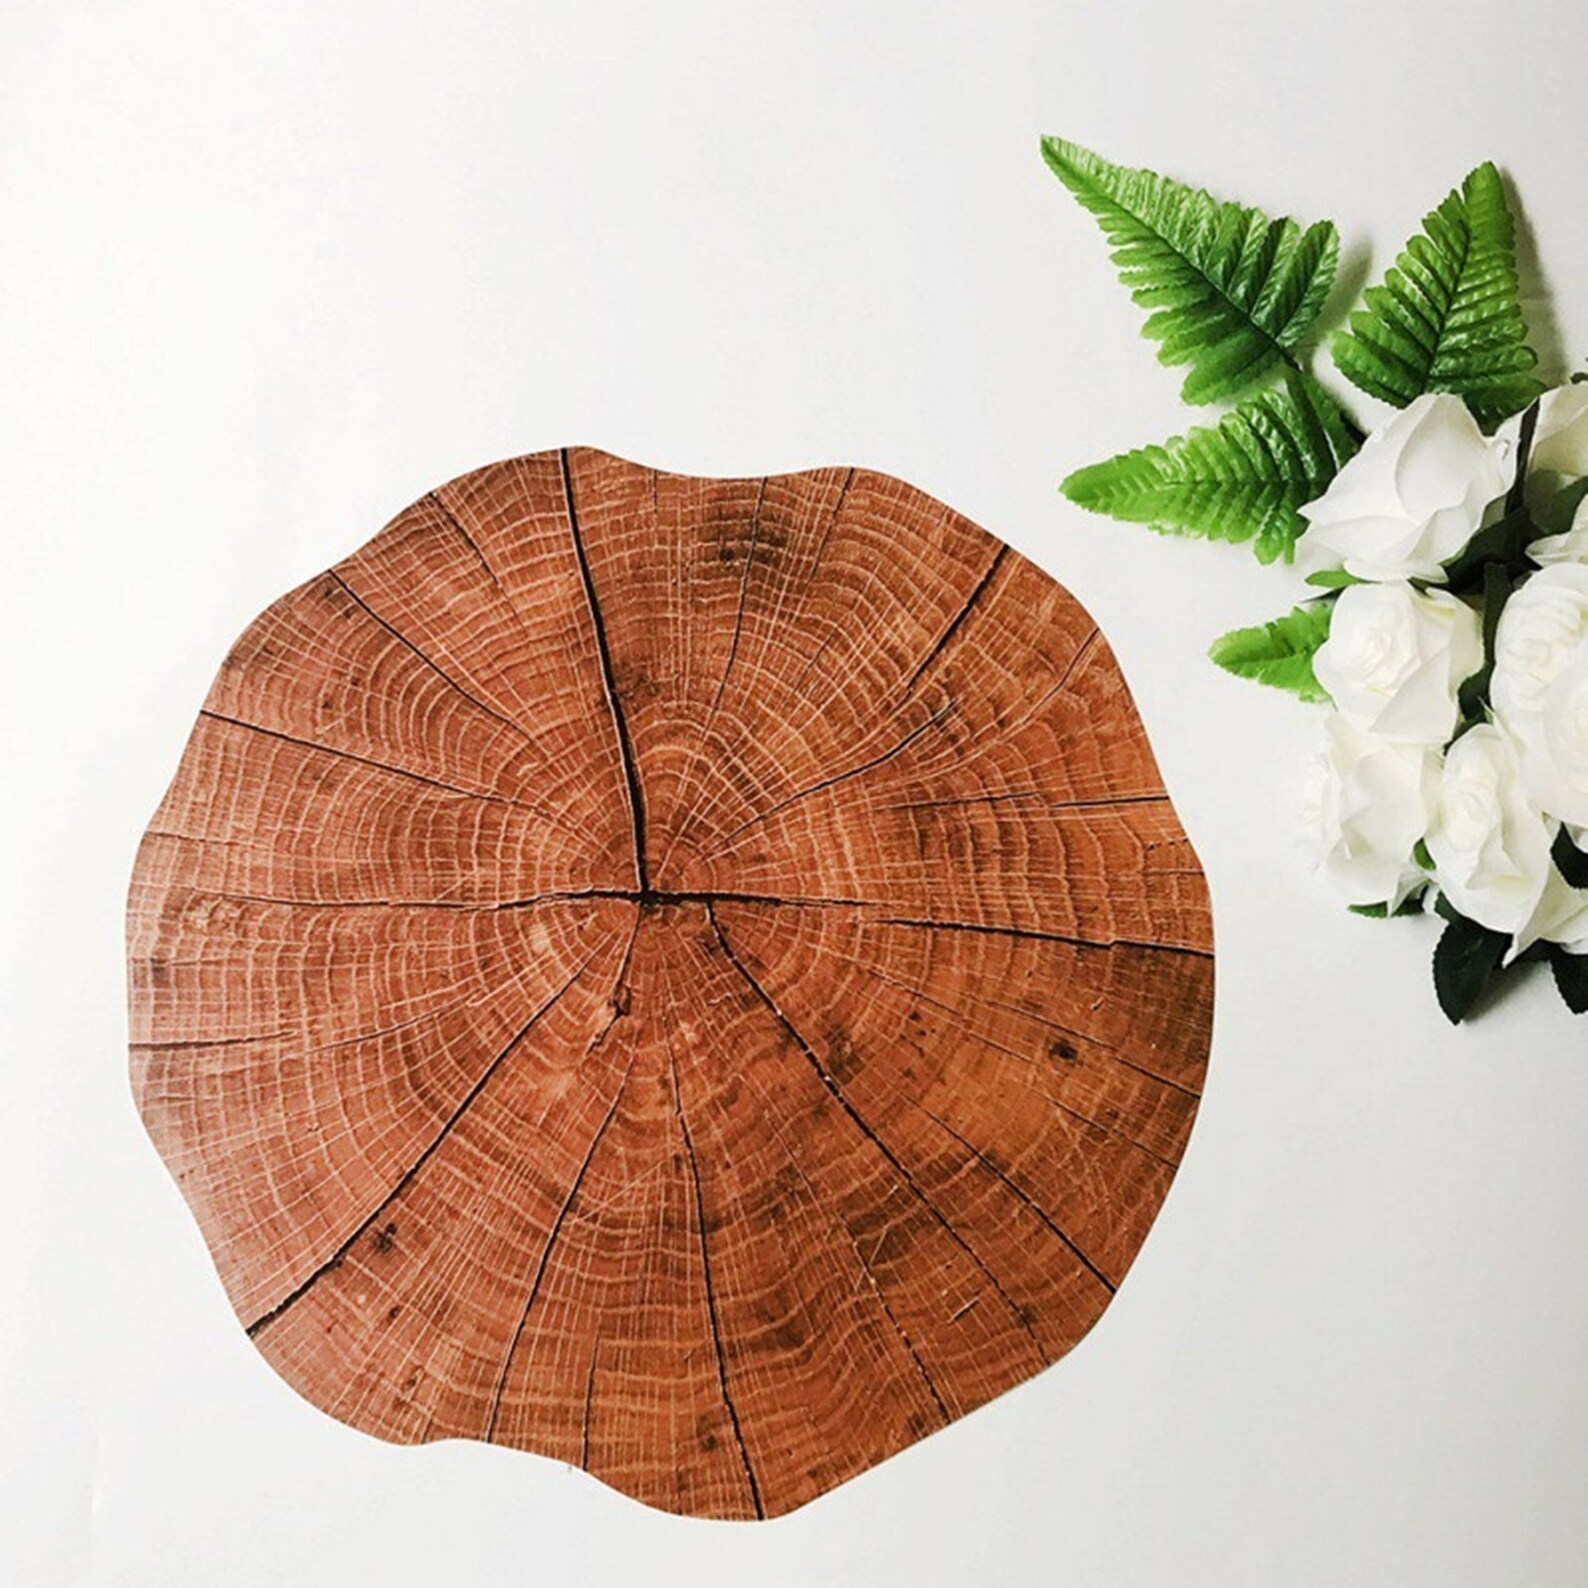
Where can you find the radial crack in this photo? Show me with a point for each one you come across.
(1103, 802)
(829, 782)
(961, 1024)
(321, 1047)
(435, 667)
(1022, 1195)
(280, 901)
(386, 766)
(213, 1042)
(631, 776)
(931, 923)
(837, 1092)
(452, 518)
(839, 1222)
(738, 615)
(551, 1241)
(711, 1297)
(336, 1259)
(956, 623)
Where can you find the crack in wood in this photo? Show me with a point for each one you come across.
(977, 843)
(956, 623)
(1103, 802)
(320, 1047)
(738, 614)
(551, 1240)
(456, 523)
(1048, 1023)
(836, 1219)
(837, 1092)
(816, 562)
(385, 766)
(930, 923)
(213, 1042)
(1022, 1195)
(617, 1007)
(631, 776)
(963, 1024)
(434, 666)
(711, 1296)
(830, 782)
(409, 1175)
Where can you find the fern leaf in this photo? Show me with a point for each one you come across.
(1279, 653)
(1448, 316)
(1229, 291)
(1243, 479)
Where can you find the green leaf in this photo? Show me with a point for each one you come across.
(1332, 579)
(1465, 959)
(1571, 977)
(1473, 693)
(1570, 861)
(1505, 541)
(1412, 904)
(1279, 653)
(1448, 316)
(1228, 291)
(1242, 479)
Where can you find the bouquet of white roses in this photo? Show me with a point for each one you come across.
(1448, 637)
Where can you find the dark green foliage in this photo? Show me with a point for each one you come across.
(1465, 959)
(1571, 977)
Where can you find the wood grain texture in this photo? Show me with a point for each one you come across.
(699, 979)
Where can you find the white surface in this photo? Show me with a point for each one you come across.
(272, 270)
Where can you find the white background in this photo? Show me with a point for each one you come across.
(272, 270)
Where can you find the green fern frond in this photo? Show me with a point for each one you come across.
(1279, 653)
(1242, 479)
(1448, 315)
(1229, 291)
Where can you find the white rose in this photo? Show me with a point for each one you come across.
(1540, 686)
(1395, 658)
(1560, 438)
(1411, 498)
(1489, 842)
(1365, 805)
(1559, 453)
(1572, 546)
(1555, 756)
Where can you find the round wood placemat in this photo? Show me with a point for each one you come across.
(699, 979)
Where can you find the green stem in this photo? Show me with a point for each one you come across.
(1358, 434)
(1517, 495)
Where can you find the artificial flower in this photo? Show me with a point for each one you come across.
(1365, 804)
(1396, 657)
(1569, 546)
(1559, 454)
(1411, 498)
(1489, 842)
(1540, 686)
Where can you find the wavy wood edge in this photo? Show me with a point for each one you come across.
(700, 979)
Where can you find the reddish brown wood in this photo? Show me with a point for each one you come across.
(697, 978)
